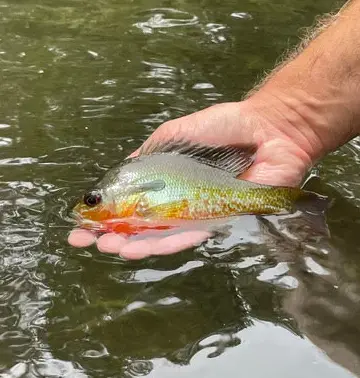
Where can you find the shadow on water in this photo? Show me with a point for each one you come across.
(325, 303)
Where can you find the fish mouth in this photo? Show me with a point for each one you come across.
(86, 223)
(101, 225)
(93, 217)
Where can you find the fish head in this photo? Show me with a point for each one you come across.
(116, 195)
(94, 207)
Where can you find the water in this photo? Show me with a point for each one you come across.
(83, 84)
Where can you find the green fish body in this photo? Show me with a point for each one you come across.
(180, 181)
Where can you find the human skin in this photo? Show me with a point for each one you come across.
(308, 107)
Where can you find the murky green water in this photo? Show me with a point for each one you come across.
(83, 83)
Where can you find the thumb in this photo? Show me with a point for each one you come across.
(278, 162)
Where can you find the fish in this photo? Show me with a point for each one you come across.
(171, 183)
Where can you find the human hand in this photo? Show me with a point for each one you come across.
(305, 109)
(283, 156)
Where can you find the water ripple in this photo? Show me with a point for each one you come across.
(161, 18)
(139, 368)
(152, 275)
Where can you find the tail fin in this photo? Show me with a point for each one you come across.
(313, 207)
(312, 203)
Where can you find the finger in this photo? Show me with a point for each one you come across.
(278, 162)
(179, 242)
(133, 154)
(81, 238)
(110, 243)
(163, 246)
(279, 175)
(139, 249)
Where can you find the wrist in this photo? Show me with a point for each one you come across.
(317, 122)
(316, 93)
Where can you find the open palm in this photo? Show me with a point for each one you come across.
(282, 158)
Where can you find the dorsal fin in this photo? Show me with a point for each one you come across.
(234, 159)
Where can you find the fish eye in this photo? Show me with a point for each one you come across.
(92, 198)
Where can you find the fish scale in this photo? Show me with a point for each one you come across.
(210, 192)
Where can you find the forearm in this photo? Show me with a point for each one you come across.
(318, 89)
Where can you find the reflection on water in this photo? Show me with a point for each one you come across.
(83, 84)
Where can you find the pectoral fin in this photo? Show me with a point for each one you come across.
(151, 186)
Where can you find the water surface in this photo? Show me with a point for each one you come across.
(83, 84)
